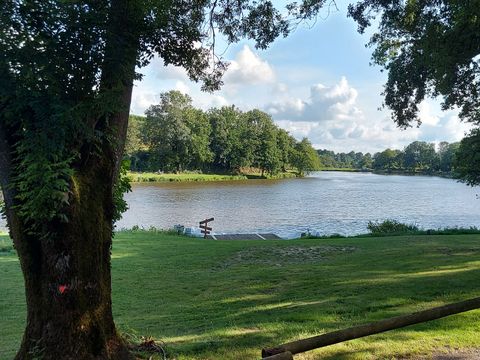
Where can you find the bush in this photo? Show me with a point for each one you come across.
(389, 227)
(6, 245)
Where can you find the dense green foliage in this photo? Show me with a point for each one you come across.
(419, 156)
(390, 227)
(174, 136)
(430, 49)
(67, 70)
(208, 299)
(351, 160)
(467, 163)
(66, 74)
(176, 133)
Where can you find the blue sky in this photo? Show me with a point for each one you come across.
(316, 83)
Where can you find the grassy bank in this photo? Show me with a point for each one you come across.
(211, 299)
(344, 169)
(394, 172)
(156, 177)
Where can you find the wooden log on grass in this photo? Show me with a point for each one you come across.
(335, 337)
(282, 356)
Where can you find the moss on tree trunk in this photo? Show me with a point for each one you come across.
(68, 279)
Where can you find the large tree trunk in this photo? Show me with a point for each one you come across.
(67, 268)
(68, 281)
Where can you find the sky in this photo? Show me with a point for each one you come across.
(316, 83)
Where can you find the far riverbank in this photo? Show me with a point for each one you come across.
(326, 202)
(139, 177)
(447, 175)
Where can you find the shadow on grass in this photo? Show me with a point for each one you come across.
(171, 288)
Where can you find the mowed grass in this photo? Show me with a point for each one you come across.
(189, 177)
(208, 299)
(155, 177)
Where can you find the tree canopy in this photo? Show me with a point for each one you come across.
(430, 48)
(66, 76)
(175, 136)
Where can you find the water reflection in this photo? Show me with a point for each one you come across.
(329, 202)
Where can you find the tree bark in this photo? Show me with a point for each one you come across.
(67, 268)
(68, 279)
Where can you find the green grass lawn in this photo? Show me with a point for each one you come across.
(210, 299)
(155, 177)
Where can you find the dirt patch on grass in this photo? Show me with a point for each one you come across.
(469, 354)
(279, 256)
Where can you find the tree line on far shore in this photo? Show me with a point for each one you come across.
(419, 156)
(174, 136)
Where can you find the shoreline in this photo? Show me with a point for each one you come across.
(149, 177)
(143, 177)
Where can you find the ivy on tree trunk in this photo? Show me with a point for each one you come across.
(66, 75)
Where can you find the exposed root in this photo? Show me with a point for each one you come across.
(149, 346)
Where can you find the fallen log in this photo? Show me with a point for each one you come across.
(282, 356)
(335, 337)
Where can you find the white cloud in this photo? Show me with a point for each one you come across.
(287, 109)
(142, 98)
(332, 118)
(281, 88)
(169, 72)
(449, 128)
(248, 68)
(325, 103)
(206, 101)
(425, 114)
(182, 87)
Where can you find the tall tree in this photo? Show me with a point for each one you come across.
(200, 154)
(430, 48)
(467, 159)
(225, 137)
(305, 157)
(66, 75)
(419, 155)
(387, 160)
(133, 141)
(286, 144)
(176, 133)
(261, 138)
(447, 156)
(135, 148)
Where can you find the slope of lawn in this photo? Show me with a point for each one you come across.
(208, 299)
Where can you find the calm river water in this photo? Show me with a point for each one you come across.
(325, 202)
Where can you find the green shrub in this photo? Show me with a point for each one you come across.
(452, 231)
(389, 227)
(6, 245)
